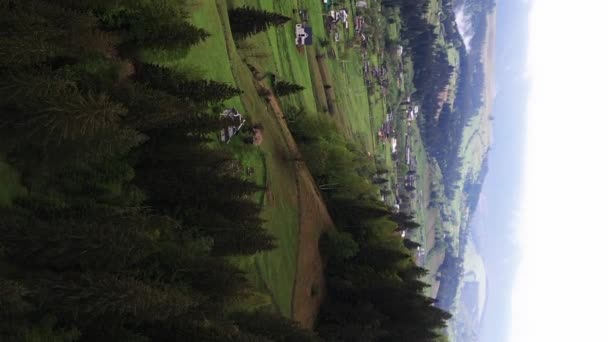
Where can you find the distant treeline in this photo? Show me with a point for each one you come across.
(450, 275)
(130, 216)
(374, 287)
(473, 186)
(445, 139)
(432, 73)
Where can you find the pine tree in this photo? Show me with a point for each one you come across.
(151, 109)
(54, 109)
(247, 21)
(283, 88)
(37, 32)
(273, 327)
(104, 299)
(155, 24)
(177, 84)
(101, 243)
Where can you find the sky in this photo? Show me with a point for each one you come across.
(495, 224)
(561, 283)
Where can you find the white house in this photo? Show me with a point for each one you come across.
(237, 121)
(303, 35)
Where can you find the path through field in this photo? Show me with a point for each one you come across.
(314, 219)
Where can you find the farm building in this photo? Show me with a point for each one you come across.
(303, 35)
(237, 121)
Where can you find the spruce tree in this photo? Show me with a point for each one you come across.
(54, 109)
(283, 88)
(247, 21)
(154, 24)
(36, 32)
(273, 327)
(177, 84)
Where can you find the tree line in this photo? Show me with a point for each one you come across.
(374, 287)
(130, 216)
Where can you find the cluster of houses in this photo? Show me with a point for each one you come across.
(335, 18)
(410, 159)
(387, 130)
(377, 74)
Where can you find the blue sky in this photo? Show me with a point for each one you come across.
(495, 228)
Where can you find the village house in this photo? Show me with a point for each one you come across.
(237, 121)
(303, 35)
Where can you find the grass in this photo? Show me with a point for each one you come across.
(393, 31)
(275, 52)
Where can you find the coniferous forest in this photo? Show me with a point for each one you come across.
(127, 230)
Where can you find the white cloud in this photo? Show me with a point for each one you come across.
(560, 287)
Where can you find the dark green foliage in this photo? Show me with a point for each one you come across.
(380, 181)
(283, 88)
(111, 298)
(151, 109)
(158, 24)
(53, 108)
(405, 222)
(273, 327)
(247, 21)
(452, 271)
(177, 84)
(338, 246)
(36, 31)
(129, 218)
(213, 202)
(409, 244)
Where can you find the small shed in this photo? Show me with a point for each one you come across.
(236, 123)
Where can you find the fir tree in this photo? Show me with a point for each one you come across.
(247, 21)
(283, 88)
(177, 84)
(155, 24)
